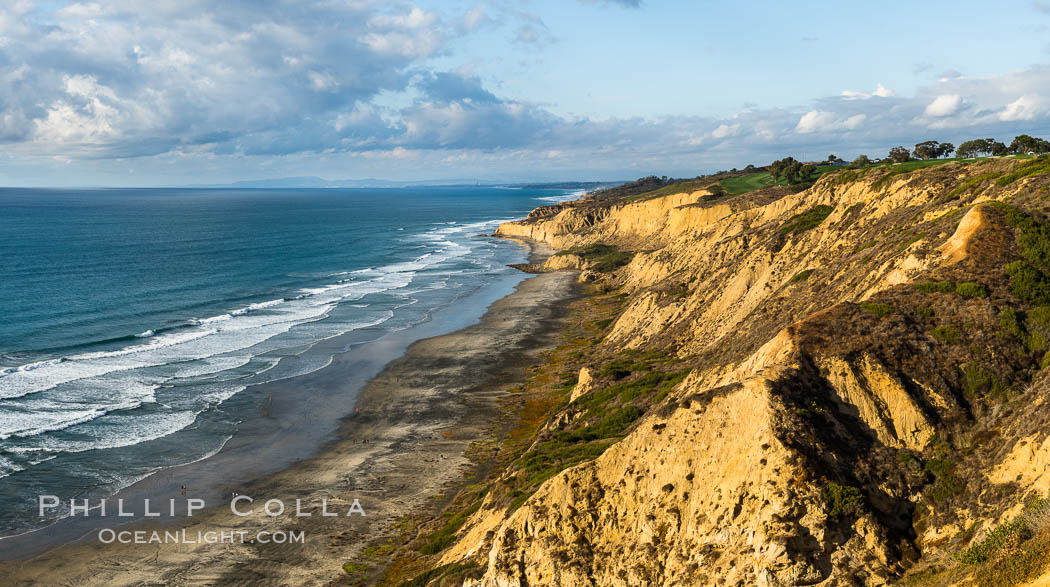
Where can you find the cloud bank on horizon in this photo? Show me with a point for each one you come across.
(242, 89)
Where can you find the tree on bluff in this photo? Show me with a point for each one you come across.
(982, 147)
(791, 170)
(861, 161)
(932, 150)
(899, 155)
(1029, 145)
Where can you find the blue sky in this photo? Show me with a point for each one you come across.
(171, 92)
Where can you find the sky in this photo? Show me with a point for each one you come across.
(175, 92)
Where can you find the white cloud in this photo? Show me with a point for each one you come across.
(820, 121)
(725, 130)
(943, 105)
(881, 91)
(1027, 107)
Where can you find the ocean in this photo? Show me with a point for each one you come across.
(131, 319)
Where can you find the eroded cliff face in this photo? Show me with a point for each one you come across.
(857, 401)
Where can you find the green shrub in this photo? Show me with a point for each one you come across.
(945, 334)
(806, 220)
(801, 276)
(354, 568)
(620, 368)
(979, 383)
(971, 290)
(1031, 328)
(935, 286)
(924, 313)
(877, 309)
(1001, 537)
(1033, 238)
(443, 538)
(843, 499)
(1029, 284)
(1039, 165)
(939, 466)
(612, 425)
(603, 258)
(604, 322)
(944, 488)
(959, 189)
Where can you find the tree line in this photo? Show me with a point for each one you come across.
(1021, 145)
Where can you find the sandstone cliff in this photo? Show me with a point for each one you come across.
(842, 385)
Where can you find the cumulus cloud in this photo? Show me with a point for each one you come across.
(725, 130)
(113, 80)
(820, 121)
(943, 105)
(1027, 107)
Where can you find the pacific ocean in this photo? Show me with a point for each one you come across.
(133, 318)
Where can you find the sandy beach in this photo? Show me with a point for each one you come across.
(399, 452)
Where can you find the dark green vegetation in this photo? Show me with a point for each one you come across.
(968, 289)
(1038, 166)
(446, 535)
(946, 334)
(801, 276)
(603, 258)
(935, 286)
(982, 147)
(899, 154)
(842, 499)
(999, 538)
(971, 290)
(877, 309)
(1029, 145)
(792, 171)
(1032, 327)
(806, 220)
(932, 150)
(1030, 279)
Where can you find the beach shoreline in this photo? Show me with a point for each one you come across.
(401, 451)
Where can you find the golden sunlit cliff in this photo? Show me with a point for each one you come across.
(837, 385)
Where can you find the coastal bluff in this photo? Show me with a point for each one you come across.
(842, 384)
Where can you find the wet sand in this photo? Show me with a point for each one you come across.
(418, 416)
